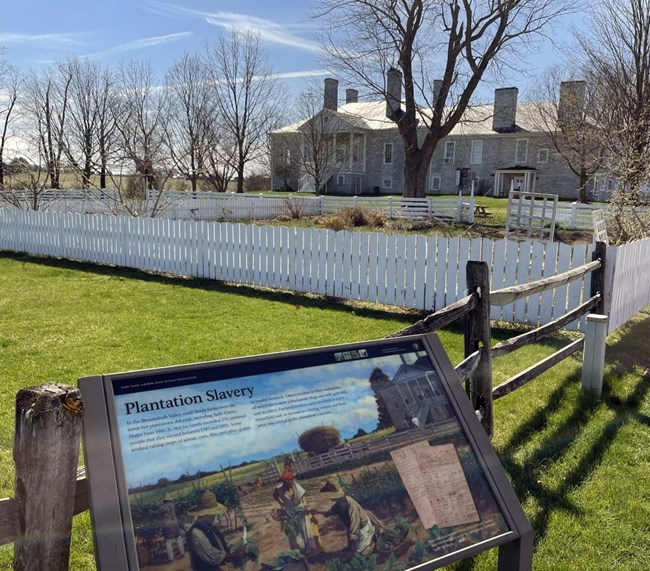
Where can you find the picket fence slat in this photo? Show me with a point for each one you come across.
(536, 269)
(442, 269)
(574, 295)
(563, 265)
(510, 275)
(523, 276)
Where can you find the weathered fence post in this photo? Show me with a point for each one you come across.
(46, 451)
(593, 355)
(478, 338)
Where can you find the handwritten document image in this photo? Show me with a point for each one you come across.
(436, 484)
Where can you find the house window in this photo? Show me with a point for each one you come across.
(340, 180)
(476, 156)
(435, 183)
(521, 154)
(388, 153)
(449, 151)
(342, 148)
(357, 149)
(387, 182)
(542, 156)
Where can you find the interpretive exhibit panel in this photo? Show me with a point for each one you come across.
(364, 456)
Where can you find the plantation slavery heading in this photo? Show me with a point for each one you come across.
(137, 407)
(376, 431)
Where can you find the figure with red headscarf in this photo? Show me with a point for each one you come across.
(298, 524)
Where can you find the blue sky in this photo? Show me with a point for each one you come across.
(38, 32)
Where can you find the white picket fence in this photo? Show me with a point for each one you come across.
(220, 207)
(629, 283)
(215, 206)
(423, 272)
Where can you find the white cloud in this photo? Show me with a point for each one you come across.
(52, 40)
(141, 44)
(268, 30)
(306, 73)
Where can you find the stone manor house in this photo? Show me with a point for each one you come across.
(497, 146)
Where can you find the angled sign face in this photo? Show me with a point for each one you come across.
(363, 454)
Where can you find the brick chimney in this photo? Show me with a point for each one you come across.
(351, 96)
(437, 86)
(572, 100)
(331, 94)
(505, 109)
(393, 93)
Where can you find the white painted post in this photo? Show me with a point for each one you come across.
(471, 204)
(574, 213)
(593, 356)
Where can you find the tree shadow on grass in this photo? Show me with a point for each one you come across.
(401, 315)
(624, 355)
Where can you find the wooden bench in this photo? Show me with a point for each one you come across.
(480, 211)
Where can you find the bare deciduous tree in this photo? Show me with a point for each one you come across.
(313, 146)
(247, 94)
(10, 82)
(87, 130)
(568, 111)
(140, 111)
(614, 53)
(46, 109)
(615, 57)
(457, 42)
(190, 115)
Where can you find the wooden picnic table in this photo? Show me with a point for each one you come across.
(480, 210)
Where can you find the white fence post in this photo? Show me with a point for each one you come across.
(471, 205)
(574, 214)
(593, 356)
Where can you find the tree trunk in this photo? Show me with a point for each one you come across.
(88, 169)
(582, 191)
(415, 174)
(240, 177)
(54, 179)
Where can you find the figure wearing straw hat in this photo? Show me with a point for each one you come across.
(362, 526)
(170, 529)
(209, 550)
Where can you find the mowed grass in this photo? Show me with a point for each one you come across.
(580, 467)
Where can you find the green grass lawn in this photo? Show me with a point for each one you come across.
(580, 467)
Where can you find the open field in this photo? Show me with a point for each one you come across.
(580, 467)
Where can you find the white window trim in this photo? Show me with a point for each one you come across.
(388, 146)
(432, 184)
(525, 154)
(387, 182)
(539, 155)
(449, 159)
(476, 144)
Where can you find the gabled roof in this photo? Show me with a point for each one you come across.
(477, 120)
